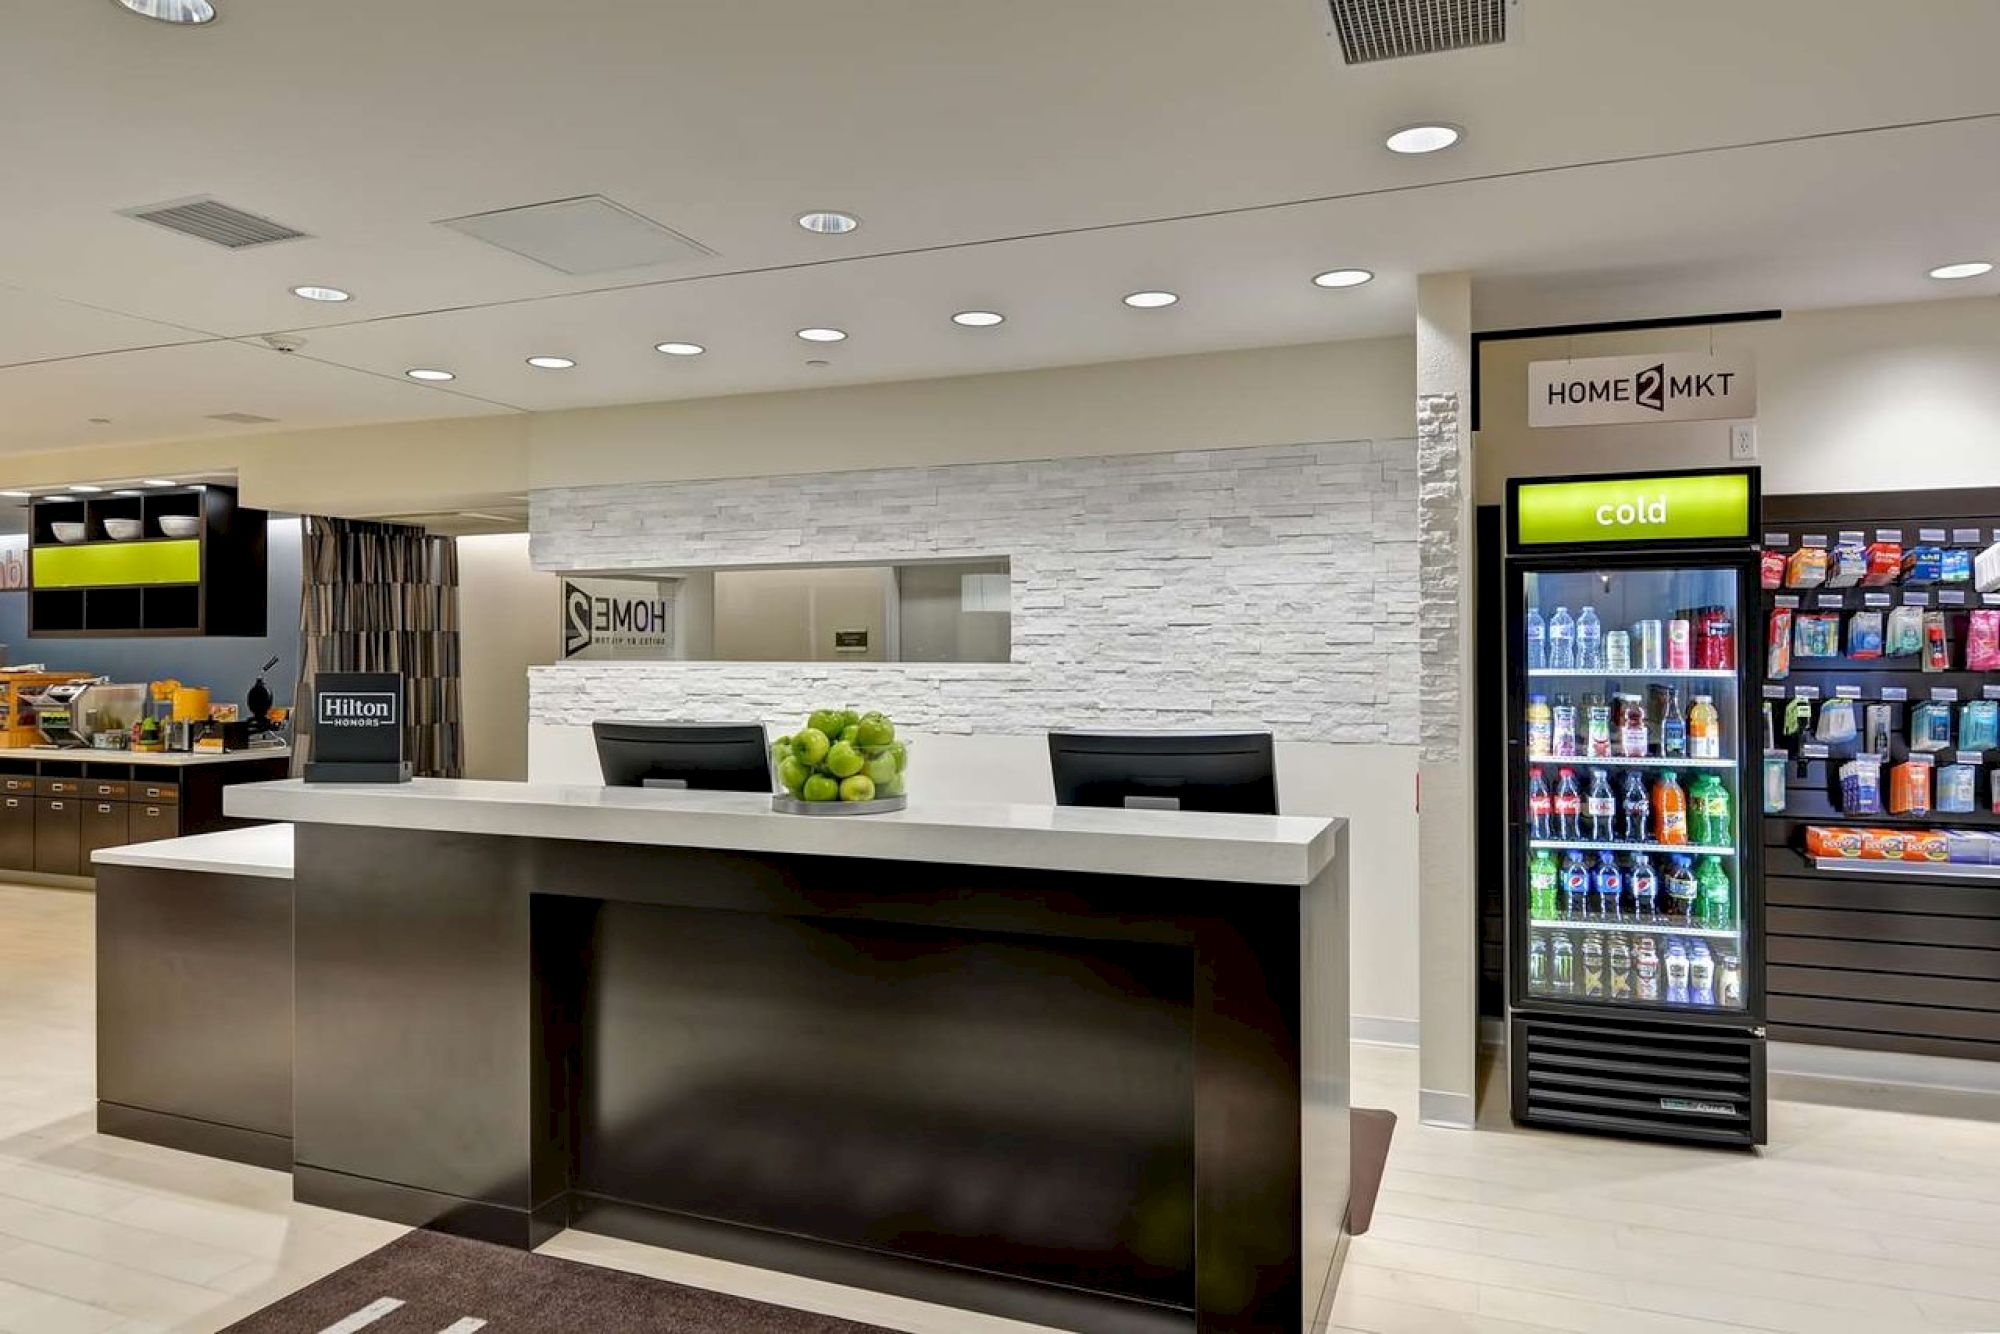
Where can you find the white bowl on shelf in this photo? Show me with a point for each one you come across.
(179, 525)
(67, 532)
(123, 530)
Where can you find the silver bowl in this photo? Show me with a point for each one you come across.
(789, 805)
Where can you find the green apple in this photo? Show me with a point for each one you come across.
(902, 754)
(857, 787)
(793, 773)
(892, 788)
(811, 745)
(875, 730)
(843, 760)
(828, 721)
(820, 788)
(881, 767)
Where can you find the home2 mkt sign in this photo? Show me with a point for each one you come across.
(1602, 391)
(1676, 507)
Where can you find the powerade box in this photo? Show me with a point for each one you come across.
(357, 728)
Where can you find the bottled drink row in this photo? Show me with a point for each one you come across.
(1685, 974)
(1622, 727)
(1698, 639)
(1703, 814)
(1634, 892)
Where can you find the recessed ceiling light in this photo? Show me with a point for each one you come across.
(17, 495)
(1424, 138)
(822, 335)
(311, 293)
(1342, 278)
(680, 349)
(1151, 300)
(85, 486)
(159, 481)
(172, 11)
(1971, 268)
(817, 362)
(978, 319)
(123, 491)
(546, 363)
(828, 223)
(425, 373)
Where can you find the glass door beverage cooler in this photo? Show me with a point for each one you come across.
(1635, 969)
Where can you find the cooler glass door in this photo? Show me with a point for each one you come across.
(1627, 818)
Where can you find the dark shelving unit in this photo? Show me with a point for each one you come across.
(227, 596)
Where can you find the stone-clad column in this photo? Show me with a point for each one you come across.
(1447, 896)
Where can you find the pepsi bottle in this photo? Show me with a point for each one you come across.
(1610, 885)
(1645, 885)
(1575, 886)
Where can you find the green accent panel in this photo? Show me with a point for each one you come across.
(175, 561)
(1635, 509)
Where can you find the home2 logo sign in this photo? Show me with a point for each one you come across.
(618, 618)
(1610, 390)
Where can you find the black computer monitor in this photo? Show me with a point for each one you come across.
(720, 757)
(1184, 771)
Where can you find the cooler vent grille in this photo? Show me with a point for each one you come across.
(1639, 1082)
(1372, 30)
(217, 223)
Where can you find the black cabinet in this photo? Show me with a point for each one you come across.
(17, 831)
(56, 811)
(58, 831)
(103, 825)
(149, 821)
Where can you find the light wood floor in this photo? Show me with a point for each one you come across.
(1854, 1220)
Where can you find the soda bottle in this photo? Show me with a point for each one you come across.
(1593, 963)
(1677, 973)
(1562, 965)
(1596, 727)
(1645, 886)
(1631, 727)
(1600, 809)
(1710, 801)
(1589, 642)
(1542, 879)
(1635, 810)
(1541, 807)
(1697, 811)
(1562, 641)
(1538, 962)
(1610, 885)
(1618, 963)
(1562, 727)
(1713, 894)
(1568, 803)
(1673, 728)
(1704, 729)
(1541, 734)
(1575, 886)
(1538, 640)
(1646, 971)
(1682, 889)
(1701, 975)
(1670, 811)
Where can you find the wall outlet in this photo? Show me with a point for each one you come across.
(1743, 441)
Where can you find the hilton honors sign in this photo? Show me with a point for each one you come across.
(1677, 387)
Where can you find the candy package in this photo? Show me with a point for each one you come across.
(1846, 564)
(1816, 634)
(1910, 788)
(1772, 569)
(1930, 726)
(1979, 724)
(1806, 568)
(1885, 562)
(1937, 642)
(1778, 656)
(1982, 640)
(1837, 724)
(1956, 567)
(1905, 636)
(1895, 845)
(1861, 787)
(1955, 784)
(1864, 634)
(1922, 565)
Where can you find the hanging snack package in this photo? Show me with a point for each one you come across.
(1837, 723)
(1955, 783)
(1979, 724)
(1930, 726)
(1864, 635)
(1885, 562)
(1847, 563)
(1905, 636)
(1910, 788)
(1778, 656)
(1816, 634)
(1772, 569)
(1937, 642)
(1922, 565)
(1806, 568)
(1861, 787)
(1982, 640)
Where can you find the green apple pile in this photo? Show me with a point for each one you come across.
(841, 755)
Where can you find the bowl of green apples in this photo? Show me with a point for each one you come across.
(840, 763)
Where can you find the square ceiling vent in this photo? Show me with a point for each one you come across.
(1371, 30)
(589, 234)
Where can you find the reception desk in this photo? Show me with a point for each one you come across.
(1084, 1068)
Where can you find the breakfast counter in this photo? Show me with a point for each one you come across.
(152, 759)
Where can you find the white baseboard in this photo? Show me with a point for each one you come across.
(1892, 1069)
(1383, 1031)
(1435, 1107)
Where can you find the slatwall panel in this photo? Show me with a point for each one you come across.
(1882, 962)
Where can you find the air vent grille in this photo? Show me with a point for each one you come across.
(1372, 30)
(217, 223)
(1668, 1084)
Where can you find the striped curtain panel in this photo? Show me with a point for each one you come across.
(383, 597)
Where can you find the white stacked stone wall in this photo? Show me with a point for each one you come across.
(1272, 587)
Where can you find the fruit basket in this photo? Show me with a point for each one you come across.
(840, 763)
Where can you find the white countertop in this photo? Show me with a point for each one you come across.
(261, 850)
(1186, 845)
(167, 759)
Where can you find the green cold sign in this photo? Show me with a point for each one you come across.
(1633, 509)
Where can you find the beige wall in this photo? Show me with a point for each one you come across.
(790, 615)
(507, 621)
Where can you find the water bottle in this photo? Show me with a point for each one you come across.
(1562, 641)
(1538, 640)
(1589, 642)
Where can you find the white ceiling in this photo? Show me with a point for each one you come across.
(1038, 157)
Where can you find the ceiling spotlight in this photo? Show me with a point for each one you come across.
(311, 293)
(1151, 300)
(1971, 268)
(546, 363)
(159, 481)
(822, 335)
(1424, 138)
(433, 376)
(85, 487)
(121, 491)
(172, 11)
(827, 223)
(1342, 278)
(681, 349)
(978, 319)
